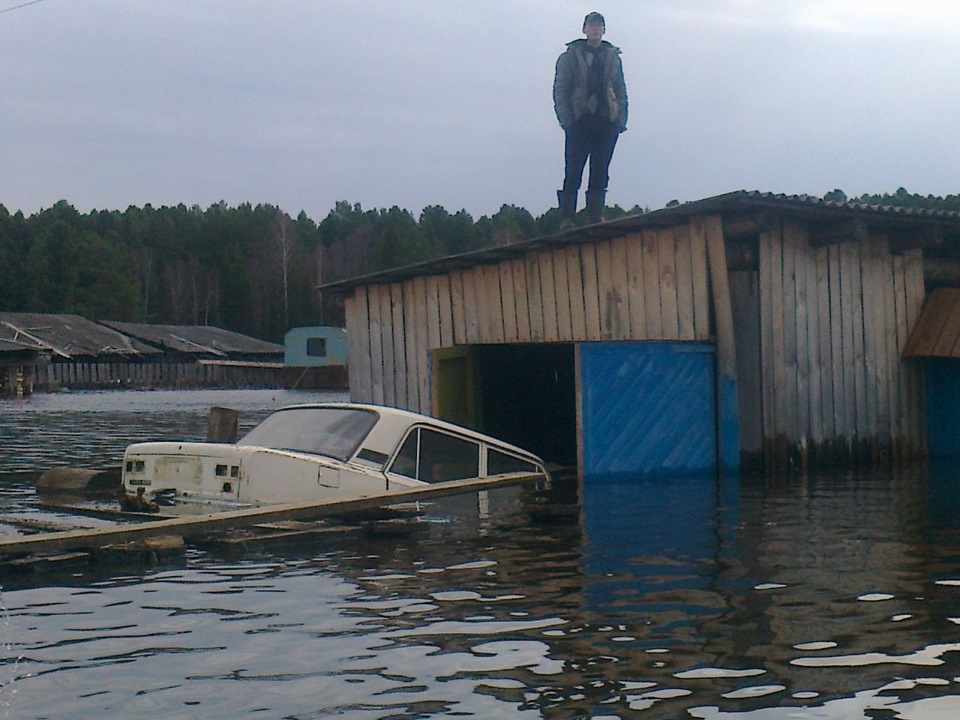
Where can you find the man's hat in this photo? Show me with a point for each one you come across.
(594, 17)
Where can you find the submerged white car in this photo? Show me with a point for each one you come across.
(335, 451)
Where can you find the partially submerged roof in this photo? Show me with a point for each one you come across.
(196, 339)
(65, 336)
(744, 213)
(937, 333)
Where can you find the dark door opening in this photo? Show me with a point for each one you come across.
(522, 394)
(528, 397)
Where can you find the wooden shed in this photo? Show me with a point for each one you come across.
(744, 328)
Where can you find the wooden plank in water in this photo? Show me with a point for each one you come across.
(202, 524)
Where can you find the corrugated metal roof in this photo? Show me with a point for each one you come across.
(66, 336)
(739, 201)
(197, 339)
(937, 334)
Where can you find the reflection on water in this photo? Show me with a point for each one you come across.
(835, 597)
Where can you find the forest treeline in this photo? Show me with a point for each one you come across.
(251, 269)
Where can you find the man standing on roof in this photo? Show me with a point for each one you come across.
(590, 97)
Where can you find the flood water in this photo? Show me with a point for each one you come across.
(832, 597)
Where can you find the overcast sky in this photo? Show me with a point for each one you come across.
(300, 103)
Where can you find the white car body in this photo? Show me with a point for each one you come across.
(330, 451)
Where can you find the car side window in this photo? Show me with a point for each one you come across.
(432, 456)
(499, 463)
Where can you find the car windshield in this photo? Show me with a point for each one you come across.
(333, 432)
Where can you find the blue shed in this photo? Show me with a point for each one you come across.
(315, 346)
(315, 358)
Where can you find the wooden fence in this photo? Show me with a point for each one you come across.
(95, 375)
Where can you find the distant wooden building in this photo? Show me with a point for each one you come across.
(206, 356)
(748, 327)
(49, 351)
(21, 358)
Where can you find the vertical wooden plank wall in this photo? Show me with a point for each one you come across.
(649, 286)
(833, 325)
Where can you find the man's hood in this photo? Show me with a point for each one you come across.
(583, 41)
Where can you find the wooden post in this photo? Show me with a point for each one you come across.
(222, 425)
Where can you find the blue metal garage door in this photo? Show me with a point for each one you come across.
(647, 410)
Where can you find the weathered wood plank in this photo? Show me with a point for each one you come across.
(471, 299)
(411, 344)
(523, 300)
(794, 237)
(701, 292)
(651, 285)
(668, 284)
(399, 345)
(361, 379)
(683, 252)
(898, 415)
(509, 299)
(914, 291)
(610, 315)
(872, 353)
(781, 407)
(729, 436)
(386, 334)
(203, 524)
(432, 304)
(620, 283)
(424, 379)
(457, 305)
(812, 343)
(534, 296)
(376, 344)
(824, 342)
(548, 293)
(446, 311)
(765, 279)
(794, 415)
(635, 295)
(578, 318)
(840, 415)
(561, 286)
(855, 294)
(490, 310)
(591, 292)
